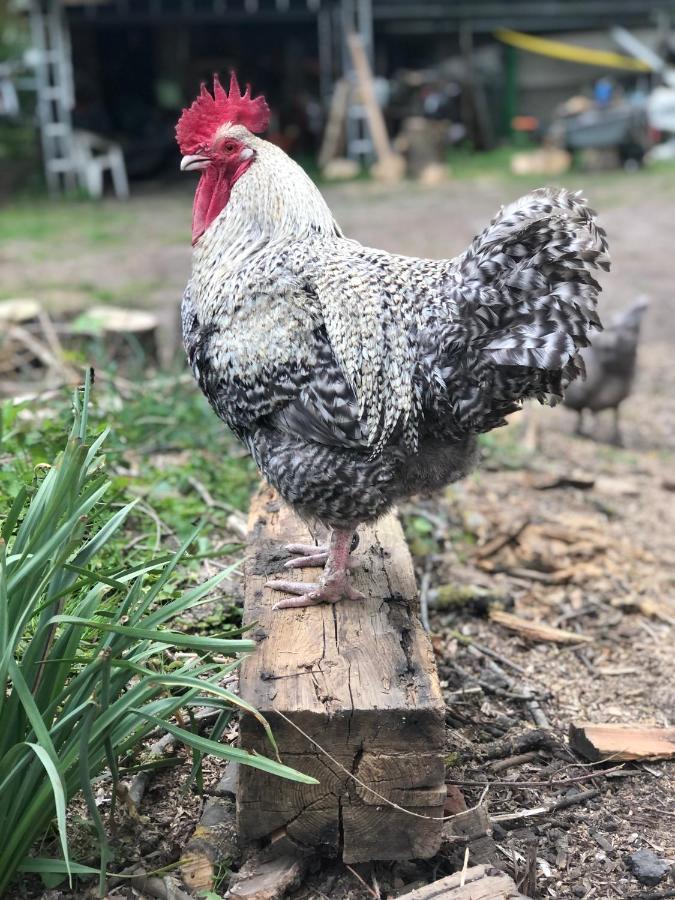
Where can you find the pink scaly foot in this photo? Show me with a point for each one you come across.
(334, 585)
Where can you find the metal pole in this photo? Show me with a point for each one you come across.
(324, 28)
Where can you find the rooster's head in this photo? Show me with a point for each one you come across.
(215, 136)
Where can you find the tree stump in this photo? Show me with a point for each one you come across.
(125, 334)
(359, 678)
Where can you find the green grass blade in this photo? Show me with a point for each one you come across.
(224, 751)
(59, 793)
(217, 691)
(39, 865)
(168, 638)
(85, 768)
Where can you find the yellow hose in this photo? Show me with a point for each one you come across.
(570, 52)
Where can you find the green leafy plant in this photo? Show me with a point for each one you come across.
(86, 664)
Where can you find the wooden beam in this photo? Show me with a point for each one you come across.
(390, 166)
(359, 678)
(622, 742)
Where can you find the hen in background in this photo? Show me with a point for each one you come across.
(610, 368)
(354, 376)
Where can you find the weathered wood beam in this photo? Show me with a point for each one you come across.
(359, 678)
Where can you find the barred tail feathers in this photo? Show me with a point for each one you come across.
(539, 255)
(526, 304)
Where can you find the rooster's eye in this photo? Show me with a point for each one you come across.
(229, 147)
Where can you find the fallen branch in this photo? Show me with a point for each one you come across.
(581, 797)
(537, 631)
(532, 785)
(501, 540)
(161, 888)
(486, 651)
(139, 783)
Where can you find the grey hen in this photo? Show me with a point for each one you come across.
(610, 368)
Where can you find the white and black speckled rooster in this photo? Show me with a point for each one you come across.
(356, 377)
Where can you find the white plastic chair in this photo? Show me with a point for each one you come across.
(93, 156)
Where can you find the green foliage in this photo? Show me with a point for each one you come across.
(85, 668)
(152, 425)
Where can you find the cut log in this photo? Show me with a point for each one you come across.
(213, 842)
(622, 742)
(476, 883)
(19, 311)
(537, 631)
(126, 333)
(359, 678)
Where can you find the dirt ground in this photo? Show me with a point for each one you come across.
(588, 545)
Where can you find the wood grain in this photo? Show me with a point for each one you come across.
(357, 677)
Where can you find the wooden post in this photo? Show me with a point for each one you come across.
(359, 678)
(390, 166)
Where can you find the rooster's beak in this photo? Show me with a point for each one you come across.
(192, 163)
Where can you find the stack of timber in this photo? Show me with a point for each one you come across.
(350, 690)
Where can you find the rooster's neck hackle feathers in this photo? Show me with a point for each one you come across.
(209, 112)
(272, 206)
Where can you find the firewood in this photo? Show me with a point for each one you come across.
(267, 876)
(537, 631)
(622, 742)
(477, 883)
(472, 826)
(213, 841)
(359, 680)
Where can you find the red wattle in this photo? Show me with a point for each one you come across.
(213, 192)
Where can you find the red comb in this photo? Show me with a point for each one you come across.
(197, 125)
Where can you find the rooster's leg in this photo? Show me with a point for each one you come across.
(333, 586)
(617, 438)
(580, 423)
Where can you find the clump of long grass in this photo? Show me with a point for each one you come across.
(86, 669)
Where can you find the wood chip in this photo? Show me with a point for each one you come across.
(267, 878)
(622, 742)
(537, 631)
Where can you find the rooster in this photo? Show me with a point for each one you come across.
(357, 377)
